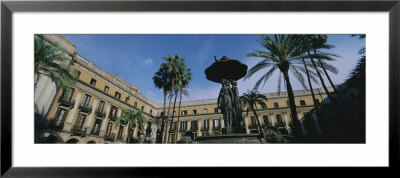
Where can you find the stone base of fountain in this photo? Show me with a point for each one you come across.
(240, 138)
(233, 131)
(229, 138)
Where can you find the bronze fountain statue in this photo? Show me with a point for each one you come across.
(227, 71)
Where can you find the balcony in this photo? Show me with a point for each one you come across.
(95, 132)
(113, 118)
(216, 128)
(53, 126)
(109, 137)
(253, 127)
(100, 114)
(172, 130)
(204, 128)
(85, 109)
(78, 130)
(193, 129)
(183, 130)
(280, 124)
(265, 124)
(66, 103)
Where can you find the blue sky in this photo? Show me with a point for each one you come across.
(135, 58)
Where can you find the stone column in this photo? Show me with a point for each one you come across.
(68, 124)
(153, 133)
(286, 121)
(272, 120)
(40, 85)
(103, 124)
(246, 124)
(302, 123)
(117, 130)
(89, 122)
(125, 133)
(189, 125)
(135, 130)
(199, 128)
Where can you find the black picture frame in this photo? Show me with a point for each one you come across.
(8, 7)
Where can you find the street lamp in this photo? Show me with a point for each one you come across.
(141, 136)
(148, 138)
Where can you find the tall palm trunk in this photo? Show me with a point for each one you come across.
(311, 88)
(258, 120)
(179, 112)
(128, 140)
(173, 113)
(167, 121)
(320, 77)
(329, 78)
(169, 107)
(163, 118)
(343, 105)
(293, 111)
(310, 85)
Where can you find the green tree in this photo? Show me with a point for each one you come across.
(161, 81)
(315, 43)
(250, 100)
(131, 118)
(186, 76)
(181, 70)
(54, 62)
(357, 76)
(172, 68)
(282, 54)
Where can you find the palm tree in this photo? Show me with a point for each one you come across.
(131, 118)
(316, 42)
(250, 100)
(183, 83)
(161, 81)
(281, 54)
(357, 76)
(305, 45)
(171, 66)
(181, 70)
(53, 62)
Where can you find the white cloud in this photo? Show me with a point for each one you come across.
(149, 62)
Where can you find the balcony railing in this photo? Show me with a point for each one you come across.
(53, 126)
(66, 103)
(121, 138)
(193, 128)
(95, 132)
(183, 130)
(205, 128)
(85, 109)
(172, 130)
(217, 127)
(101, 114)
(78, 130)
(253, 127)
(109, 137)
(280, 124)
(113, 118)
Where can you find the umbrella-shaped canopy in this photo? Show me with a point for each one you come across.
(226, 69)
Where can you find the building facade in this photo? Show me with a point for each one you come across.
(86, 112)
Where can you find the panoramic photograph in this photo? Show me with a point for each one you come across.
(199, 88)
